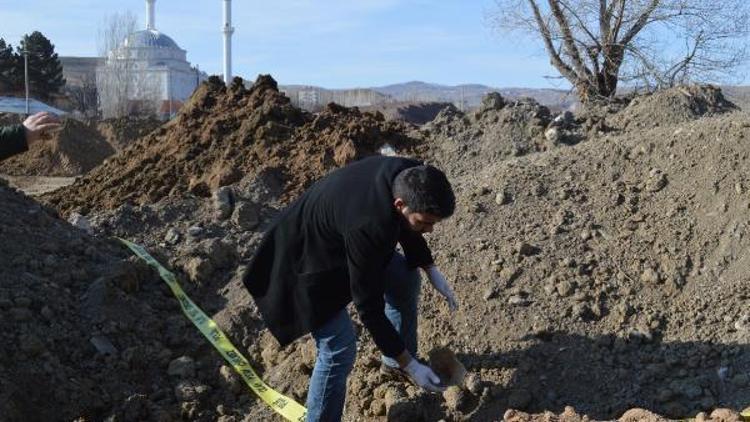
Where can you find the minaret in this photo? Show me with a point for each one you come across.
(151, 15)
(228, 30)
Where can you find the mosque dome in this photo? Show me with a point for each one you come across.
(149, 38)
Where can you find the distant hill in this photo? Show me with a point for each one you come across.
(470, 95)
(464, 97)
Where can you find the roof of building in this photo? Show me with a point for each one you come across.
(149, 38)
(18, 106)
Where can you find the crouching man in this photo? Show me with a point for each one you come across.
(336, 244)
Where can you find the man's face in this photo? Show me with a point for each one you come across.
(417, 221)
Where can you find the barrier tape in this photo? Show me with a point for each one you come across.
(285, 406)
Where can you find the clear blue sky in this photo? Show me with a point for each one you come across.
(330, 43)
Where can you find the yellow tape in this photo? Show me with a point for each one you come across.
(285, 406)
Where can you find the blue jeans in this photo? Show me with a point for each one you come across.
(337, 342)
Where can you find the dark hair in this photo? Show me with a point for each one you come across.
(425, 189)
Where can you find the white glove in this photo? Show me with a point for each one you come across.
(423, 376)
(439, 282)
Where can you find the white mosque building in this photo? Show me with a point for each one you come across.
(155, 68)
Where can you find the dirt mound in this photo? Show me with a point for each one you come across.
(604, 270)
(74, 150)
(61, 293)
(498, 130)
(672, 106)
(628, 249)
(223, 134)
(121, 132)
(417, 113)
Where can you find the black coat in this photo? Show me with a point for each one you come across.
(331, 246)
(12, 141)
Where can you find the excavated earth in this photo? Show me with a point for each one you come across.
(599, 259)
(72, 150)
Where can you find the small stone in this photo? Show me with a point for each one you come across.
(473, 383)
(182, 367)
(172, 236)
(377, 408)
(223, 201)
(195, 231)
(502, 198)
(232, 379)
(742, 323)
(725, 415)
(198, 269)
(650, 276)
(641, 335)
(527, 249)
(489, 293)
(246, 216)
(565, 288)
(552, 135)
(455, 398)
(517, 300)
(656, 181)
(739, 188)
(188, 391)
(80, 222)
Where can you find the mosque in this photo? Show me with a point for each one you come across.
(157, 67)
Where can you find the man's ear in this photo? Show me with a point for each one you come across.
(399, 204)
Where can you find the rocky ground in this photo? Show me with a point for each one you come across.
(599, 260)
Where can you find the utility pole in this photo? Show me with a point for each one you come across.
(26, 71)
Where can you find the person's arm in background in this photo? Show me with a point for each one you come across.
(16, 139)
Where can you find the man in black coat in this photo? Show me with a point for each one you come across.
(336, 244)
(15, 139)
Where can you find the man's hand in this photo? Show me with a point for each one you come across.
(439, 282)
(37, 124)
(423, 376)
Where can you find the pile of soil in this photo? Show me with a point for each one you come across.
(606, 273)
(62, 289)
(417, 113)
(672, 106)
(123, 131)
(224, 133)
(73, 150)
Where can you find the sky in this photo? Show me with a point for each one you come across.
(328, 43)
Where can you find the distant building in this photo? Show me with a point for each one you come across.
(148, 68)
(308, 98)
(80, 71)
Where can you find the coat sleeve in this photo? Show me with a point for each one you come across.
(12, 141)
(417, 252)
(367, 253)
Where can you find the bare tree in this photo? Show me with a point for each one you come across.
(595, 44)
(84, 96)
(124, 85)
